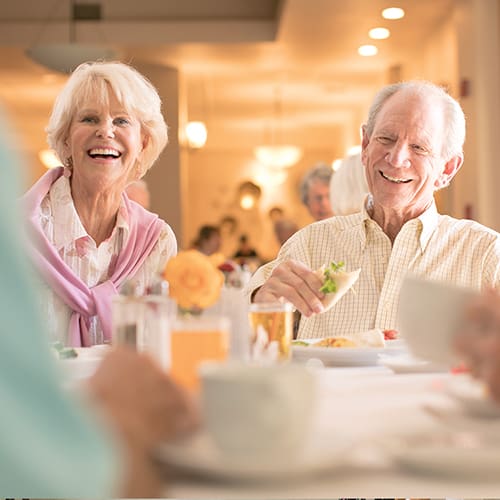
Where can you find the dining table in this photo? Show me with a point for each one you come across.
(375, 431)
(382, 434)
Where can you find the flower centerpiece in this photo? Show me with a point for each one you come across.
(194, 281)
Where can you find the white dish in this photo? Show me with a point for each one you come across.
(344, 356)
(406, 363)
(199, 456)
(473, 397)
(452, 454)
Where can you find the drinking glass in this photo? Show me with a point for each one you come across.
(272, 331)
(194, 340)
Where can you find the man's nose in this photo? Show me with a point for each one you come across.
(399, 155)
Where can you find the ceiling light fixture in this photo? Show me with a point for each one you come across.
(379, 33)
(367, 50)
(277, 154)
(393, 13)
(65, 57)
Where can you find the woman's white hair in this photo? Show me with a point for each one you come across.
(94, 80)
(454, 133)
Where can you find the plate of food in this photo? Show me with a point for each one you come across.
(362, 349)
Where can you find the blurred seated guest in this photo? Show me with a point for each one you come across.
(245, 252)
(208, 240)
(275, 213)
(88, 238)
(283, 229)
(52, 444)
(411, 147)
(228, 226)
(315, 191)
(138, 191)
(348, 187)
(478, 340)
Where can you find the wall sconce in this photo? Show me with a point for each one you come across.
(248, 195)
(196, 134)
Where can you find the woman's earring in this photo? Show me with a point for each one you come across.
(68, 162)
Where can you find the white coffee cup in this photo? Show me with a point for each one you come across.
(429, 315)
(257, 412)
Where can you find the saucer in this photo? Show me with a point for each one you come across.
(198, 455)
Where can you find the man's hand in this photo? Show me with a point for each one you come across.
(478, 340)
(297, 284)
(144, 407)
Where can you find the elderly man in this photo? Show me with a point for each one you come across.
(412, 146)
(315, 191)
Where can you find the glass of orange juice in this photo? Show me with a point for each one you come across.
(193, 340)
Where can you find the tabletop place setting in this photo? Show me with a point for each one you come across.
(383, 409)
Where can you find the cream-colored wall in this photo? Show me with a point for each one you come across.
(214, 177)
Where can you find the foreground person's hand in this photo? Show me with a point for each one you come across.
(297, 284)
(478, 340)
(144, 407)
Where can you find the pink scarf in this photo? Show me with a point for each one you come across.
(86, 302)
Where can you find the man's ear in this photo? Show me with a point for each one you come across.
(364, 143)
(451, 167)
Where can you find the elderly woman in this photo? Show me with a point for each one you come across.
(88, 238)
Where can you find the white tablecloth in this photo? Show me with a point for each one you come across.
(368, 405)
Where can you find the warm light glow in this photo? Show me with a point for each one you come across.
(393, 13)
(196, 134)
(336, 164)
(273, 177)
(247, 201)
(379, 33)
(278, 156)
(353, 150)
(367, 50)
(49, 158)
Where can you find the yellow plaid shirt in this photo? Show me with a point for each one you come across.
(433, 246)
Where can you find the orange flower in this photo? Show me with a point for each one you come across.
(193, 280)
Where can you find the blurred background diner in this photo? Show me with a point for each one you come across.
(260, 73)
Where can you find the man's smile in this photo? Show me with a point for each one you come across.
(394, 179)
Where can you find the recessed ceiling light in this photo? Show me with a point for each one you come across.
(379, 33)
(367, 50)
(393, 13)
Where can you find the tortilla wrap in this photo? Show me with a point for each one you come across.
(344, 282)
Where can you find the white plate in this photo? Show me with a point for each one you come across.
(345, 356)
(406, 363)
(473, 397)
(454, 454)
(198, 455)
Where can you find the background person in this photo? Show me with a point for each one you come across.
(208, 240)
(348, 187)
(88, 239)
(315, 191)
(412, 146)
(53, 445)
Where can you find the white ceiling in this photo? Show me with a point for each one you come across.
(235, 56)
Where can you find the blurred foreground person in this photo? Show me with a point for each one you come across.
(54, 444)
(412, 147)
(478, 341)
(315, 191)
(88, 239)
